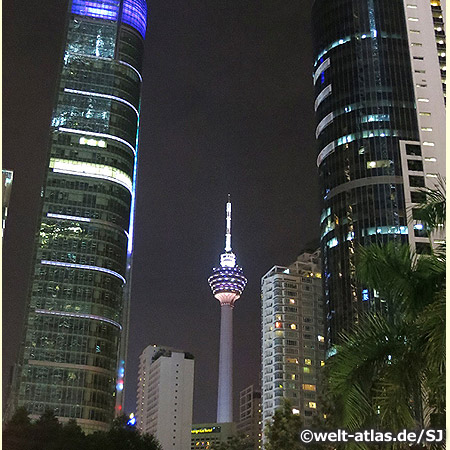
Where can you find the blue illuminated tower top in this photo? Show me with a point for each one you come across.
(134, 12)
(227, 281)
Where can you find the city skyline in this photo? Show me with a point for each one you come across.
(239, 103)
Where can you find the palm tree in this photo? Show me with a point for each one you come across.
(389, 371)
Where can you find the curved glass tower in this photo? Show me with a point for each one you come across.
(374, 153)
(227, 283)
(74, 346)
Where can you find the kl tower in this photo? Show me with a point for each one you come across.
(227, 283)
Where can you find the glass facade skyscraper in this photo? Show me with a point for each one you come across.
(380, 134)
(74, 346)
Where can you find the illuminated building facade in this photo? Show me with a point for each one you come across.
(227, 284)
(250, 417)
(165, 396)
(293, 341)
(379, 78)
(74, 346)
(205, 436)
(7, 178)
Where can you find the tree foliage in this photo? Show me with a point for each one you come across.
(283, 432)
(235, 443)
(389, 371)
(47, 433)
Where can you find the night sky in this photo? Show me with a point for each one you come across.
(227, 107)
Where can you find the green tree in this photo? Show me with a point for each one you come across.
(47, 433)
(389, 371)
(283, 432)
(235, 443)
(17, 434)
(121, 436)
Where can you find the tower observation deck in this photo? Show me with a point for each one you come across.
(227, 284)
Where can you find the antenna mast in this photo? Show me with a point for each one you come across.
(228, 226)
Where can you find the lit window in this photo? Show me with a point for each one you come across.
(322, 363)
(427, 129)
(292, 301)
(425, 100)
(307, 361)
(378, 164)
(277, 324)
(320, 338)
(413, 19)
(425, 114)
(293, 326)
(295, 411)
(429, 144)
(312, 405)
(431, 175)
(421, 85)
(92, 142)
(309, 387)
(306, 370)
(430, 159)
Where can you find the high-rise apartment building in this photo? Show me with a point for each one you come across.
(165, 396)
(379, 77)
(250, 417)
(7, 178)
(293, 342)
(74, 346)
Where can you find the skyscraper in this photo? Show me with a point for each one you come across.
(74, 346)
(165, 395)
(227, 284)
(293, 342)
(379, 77)
(250, 417)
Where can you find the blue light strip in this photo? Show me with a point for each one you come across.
(103, 135)
(101, 9)
(134, 11)
(133, 193)
(83, 266)
(96, 94)
(78, 315)
(132, 68)
(135, 14)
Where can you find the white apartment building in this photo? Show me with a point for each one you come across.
(293, 342)
(165, 396)
(423, 162)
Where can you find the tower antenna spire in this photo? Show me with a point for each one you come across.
(228, 226)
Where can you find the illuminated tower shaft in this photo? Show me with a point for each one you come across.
(227, 283)
(225, 390)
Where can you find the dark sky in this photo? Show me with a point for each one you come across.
(226, 107)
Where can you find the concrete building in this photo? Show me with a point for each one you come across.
(293, 342)
(205, 435)
(250, 417)
(379, 78)
(73, 349)
(227, 284)
(165, 395)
